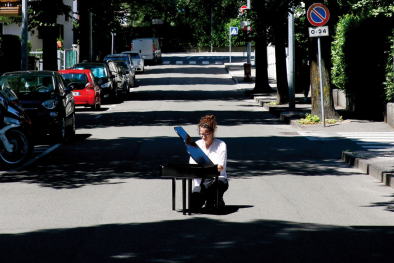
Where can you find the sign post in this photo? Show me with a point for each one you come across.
(233, 31)
(318, 16)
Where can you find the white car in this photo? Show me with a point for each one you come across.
(137, 60)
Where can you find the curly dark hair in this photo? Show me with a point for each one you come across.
(207, 122)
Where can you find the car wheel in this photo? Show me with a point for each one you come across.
(73, 127)
(114, 94)
(60, 132)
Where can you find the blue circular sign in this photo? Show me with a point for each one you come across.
(318, 14)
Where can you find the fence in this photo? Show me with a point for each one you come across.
(65, 59)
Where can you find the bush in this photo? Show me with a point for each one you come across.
(359, 55)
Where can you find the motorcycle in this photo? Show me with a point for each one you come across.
(15, 130)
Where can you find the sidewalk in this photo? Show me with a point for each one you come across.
(379, 164)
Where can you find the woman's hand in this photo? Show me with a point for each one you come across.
(220, 167)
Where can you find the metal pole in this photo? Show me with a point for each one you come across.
(90, 37)
(249, 59)
(321, 83)
(112, 43)
(24, 36)
(230, 45)
(291, 60)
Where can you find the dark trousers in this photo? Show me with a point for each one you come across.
(206, 192)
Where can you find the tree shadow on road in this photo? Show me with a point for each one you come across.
(195, 239)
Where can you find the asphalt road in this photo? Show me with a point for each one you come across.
(99, 198)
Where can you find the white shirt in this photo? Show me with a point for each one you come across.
(217, 152)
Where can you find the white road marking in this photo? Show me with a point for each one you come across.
(36, 158)
(205, 62)
(166, 62)
(192, 62)
(374, 141)
(179, 62)
(218, 62)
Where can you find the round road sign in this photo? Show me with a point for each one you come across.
(242, 8)
(318, 14)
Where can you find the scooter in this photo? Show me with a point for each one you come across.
(15, 130)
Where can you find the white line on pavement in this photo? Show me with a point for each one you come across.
(37, 157)
(179, 62)
(192, 62)
(166, 62)
(205, 62)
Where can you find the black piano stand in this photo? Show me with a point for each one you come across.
(189, 195)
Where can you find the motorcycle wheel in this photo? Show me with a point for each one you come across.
(23, 147)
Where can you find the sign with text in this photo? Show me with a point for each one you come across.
(321, 31)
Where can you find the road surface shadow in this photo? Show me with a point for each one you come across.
(196, 239)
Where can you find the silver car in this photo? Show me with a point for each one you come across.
(137, 60)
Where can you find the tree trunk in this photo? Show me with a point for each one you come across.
(261, 59)
(281, 72)
(84, 30)
(261, 81)
(329, 109)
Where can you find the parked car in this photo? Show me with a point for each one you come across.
(86, 91)
(129, 73)
(47, 100)
(103, 76)
(120, 78)
(148, 47)
(137, 60)
(115, 57)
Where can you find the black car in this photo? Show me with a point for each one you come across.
(48, 102)
(105, 78)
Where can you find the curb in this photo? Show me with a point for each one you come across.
(385, 177)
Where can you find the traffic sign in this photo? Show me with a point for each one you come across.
(321, 31)
(318, 14)
(233, 31)
(242, 8)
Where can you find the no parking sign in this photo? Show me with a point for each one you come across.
(318, 14)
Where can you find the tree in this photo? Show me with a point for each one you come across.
(259, 24)
(42, 17)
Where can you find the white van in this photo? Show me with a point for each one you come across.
(148, 47)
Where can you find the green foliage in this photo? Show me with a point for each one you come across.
(389, 84)
(314, 119)
(309, 119)
(362, 53)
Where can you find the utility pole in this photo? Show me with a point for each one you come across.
(249, 58)
(24, 36)
(291, 68)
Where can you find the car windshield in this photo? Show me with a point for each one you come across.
(79, 78)
(98, 71)
(122, 64)
(28, 83)
(117, 58)
(134, 55)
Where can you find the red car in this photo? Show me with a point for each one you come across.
(86, 91)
